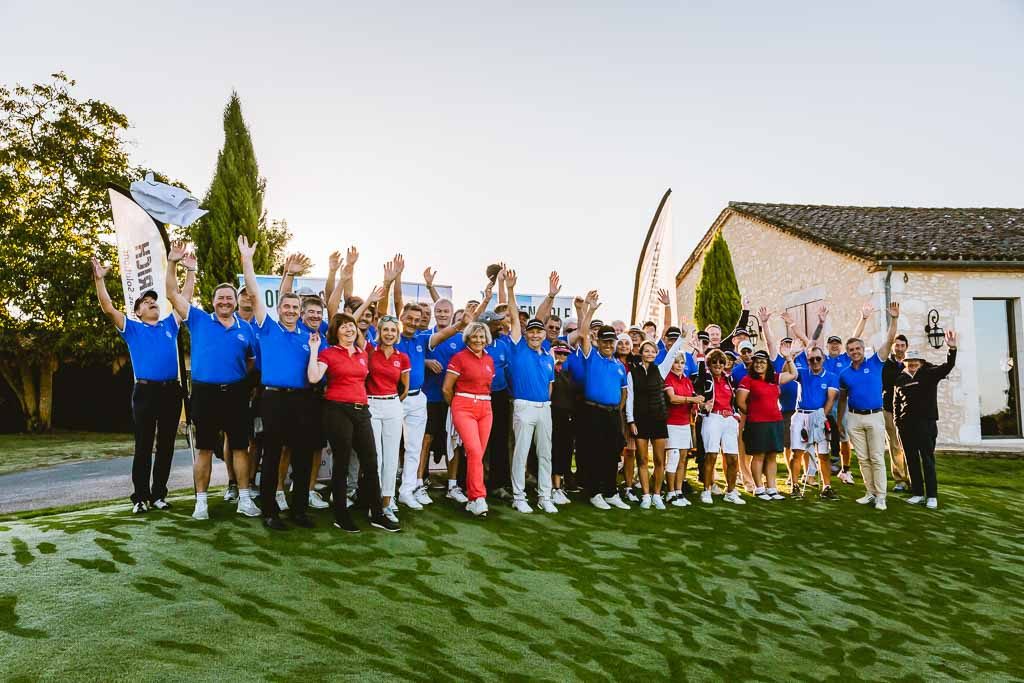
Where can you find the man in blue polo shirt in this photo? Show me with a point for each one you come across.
(808, 430)
(604, 395)
(531, 374)
(223, 345)
(289, 407)
(836, 361)
(860, 402)
(156, 398)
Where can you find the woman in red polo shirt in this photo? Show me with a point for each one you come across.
(347, 416)
(467, 388)
(386, 388)
(757, 396)
(681, 398)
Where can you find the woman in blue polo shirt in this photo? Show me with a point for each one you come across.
(156, 398)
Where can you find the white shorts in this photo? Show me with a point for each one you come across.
(679, 438)
(797, 425)
(720, 433)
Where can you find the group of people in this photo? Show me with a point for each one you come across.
(507, 399)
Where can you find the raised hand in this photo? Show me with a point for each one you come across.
(177, 251)
(510, 278)
(787, 317)
(428, 277)
(866, 310)
(351, 256)
(390, 272)
(951, 338)
(297, 263)
(314, 341)
(99, 271)
(822, 313)
(334, 261)
(399, 262)
(246, 250)
(376, 295)
(894, 309)
(663, 297)
(469, 312)
(554, 284)
(746, 303)
(577, 303)
(764, 315)
(189, 260)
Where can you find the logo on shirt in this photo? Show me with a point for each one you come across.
(452, 345)
(362, 361)
(241, 337)
(419, 348)
(168, 333)
(867, 371)
(396, 364)
(824, 386)
(305, 347)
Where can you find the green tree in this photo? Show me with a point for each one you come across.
(57, 153)
(235, 203)
(718, 295)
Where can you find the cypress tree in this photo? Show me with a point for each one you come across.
(718, 295)
(235, 203)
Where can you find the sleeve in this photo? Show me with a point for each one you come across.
(666, 365)
(942, 371)
(840, 381)
(629, 397)
(405, 363)
(455, 365)
(744, 384)
(193, 315)
(171, 321)
(832, 379)
(130, 330)
(324, 356)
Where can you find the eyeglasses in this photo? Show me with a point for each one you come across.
(388, 319)
(814, 360)
(718, 362)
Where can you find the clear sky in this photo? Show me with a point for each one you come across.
(545, 134)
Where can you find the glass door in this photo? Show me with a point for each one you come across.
(998, 384)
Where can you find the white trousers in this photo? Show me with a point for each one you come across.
(386, 420)
(414, 424)
(531, 424)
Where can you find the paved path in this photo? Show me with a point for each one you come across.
(83, 482)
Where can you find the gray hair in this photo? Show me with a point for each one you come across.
(475, 327)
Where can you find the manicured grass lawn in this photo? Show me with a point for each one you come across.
(770, 591)
(28, 451)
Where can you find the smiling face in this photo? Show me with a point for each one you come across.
(443, 313)
(388, 333)
(425, 312)
(913, 366)
(534, 338)
(648, 352)
(679, 364)
(623, 348)
(606, 347)
(899, 349)
(759, 367)
(225, 301)
(477, 341)
(637, 337)
(410, 320)
(552, 328)
(715, 334)
(366, 320)
(717, 366)
(347, 333)
(835, 348)
(745, 355)
(288, 310)
(312, 314)
(855, 350)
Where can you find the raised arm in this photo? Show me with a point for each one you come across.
(293, 265)
(351, 256)
(428, 279)
(865, 312)
(516, 333)
(666, 303)
(189, 261)
(314, 368)
(554, 287)
(744, 317)
(890, 334)
(470, 313)
(500, 284)
(765, 316)
(578, 304)
(245, 252)
(333, 264)
(940, 372)
(590, 304)
(665, 366)
(789, 371)
(371, 298)
(179, 303)
(822, 315)
(399, 267)
(795, 331)
(99, 273)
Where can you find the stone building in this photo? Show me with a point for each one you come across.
(966, 264)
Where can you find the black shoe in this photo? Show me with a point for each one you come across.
(828, 494)
(346, 524)
(274, 523)
(687, 489)
(382, 522)
(796, 492)
(302, 520)
(139, 508)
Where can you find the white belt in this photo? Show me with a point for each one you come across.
(383, 398)
(535, 404)
(475, 397)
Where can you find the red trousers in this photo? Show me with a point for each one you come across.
(472, 419)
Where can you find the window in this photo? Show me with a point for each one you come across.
(998, 382)
(805, 316)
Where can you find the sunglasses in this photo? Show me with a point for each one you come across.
(388, 319)
(718, 362)
(814, 360)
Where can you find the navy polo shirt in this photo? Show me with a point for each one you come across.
(284, 355)
(788, 391)
(218, 352)
(531, 372)
(432, 382)
(603, 378)
(864, 384)
(500, 350)
(153, 348)
(814, 388)
(416, 348)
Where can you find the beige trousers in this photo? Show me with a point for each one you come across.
(867, 436)
(897, 460)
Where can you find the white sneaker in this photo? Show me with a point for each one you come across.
(409, 501)
(866, 499)
(645, 502)
(705, 497)
(558, 497)
(478, 507)
(248, 508)
(659, 504)
(231, 493)
(932, 503)
(631, 497)
(599, 502)
(762, 494)
(282, 501)
(734, 498)
(389, 513)
(775, 495)
(422, 497)
(161, 504)
(680, 502)
(915, 500)
(716, 490)
(317, 502)
(617, 502)
(548, 507)
(880, 503)
(846, 477)
(201, 512)
(522, 506)
(455, 493)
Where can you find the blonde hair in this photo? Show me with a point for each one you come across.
(475, 327)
